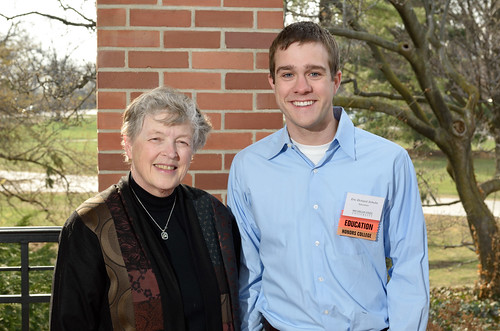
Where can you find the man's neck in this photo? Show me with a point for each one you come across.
(315, 138)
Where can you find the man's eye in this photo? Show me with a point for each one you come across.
(287, 75)
(315, 74)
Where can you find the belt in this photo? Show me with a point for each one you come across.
(269, 327)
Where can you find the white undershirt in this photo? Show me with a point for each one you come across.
(313, 152)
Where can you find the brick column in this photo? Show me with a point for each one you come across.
(215, 51)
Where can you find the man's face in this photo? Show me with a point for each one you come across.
(304, 90)
(160, 155)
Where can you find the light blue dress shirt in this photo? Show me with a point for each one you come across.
(296, 271)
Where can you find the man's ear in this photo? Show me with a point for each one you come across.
(271, 81)
(337, 79)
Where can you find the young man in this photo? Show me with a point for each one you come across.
(322, 205)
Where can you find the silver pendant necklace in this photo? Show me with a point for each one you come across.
(163, 234)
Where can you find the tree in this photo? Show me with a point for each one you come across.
(40, 94)
(438, 73)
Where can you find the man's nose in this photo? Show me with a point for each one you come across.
(302, 84)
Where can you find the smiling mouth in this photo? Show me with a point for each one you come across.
(165, 167)
(302, 103)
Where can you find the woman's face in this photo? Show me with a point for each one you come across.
(160, 155)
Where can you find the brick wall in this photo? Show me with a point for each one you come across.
(215, 51)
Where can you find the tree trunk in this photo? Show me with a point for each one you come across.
(497, 153)
(482, 223)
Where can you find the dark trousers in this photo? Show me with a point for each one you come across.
(269, 327)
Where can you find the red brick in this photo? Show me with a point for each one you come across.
(191, 39)
(266, 101)
(111, 100)
(253, 121)
(193, 3)
(188, 180)
(111, 17)
(114, 161)
(270, 19)
(254, 3)
(109, 121)
(135, 80)
(222, 60)
(262, 61)
(225, 101)
(206, 162)
(126, 2)
(228, 160)
(109, 141)
(128, 38)
(134, 95)
(106, 180)
(110, 59)
(138, 59)
(246, 81)
(193, 80)
(215, 119)
(223, 18)
(262, 134)
(259, 40)
(228, 140)
(155, 17)
(211, 181)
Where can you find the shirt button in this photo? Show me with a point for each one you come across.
(315, 206)
(321, 279)
(315, 171)
(326, 312)
(316, 243)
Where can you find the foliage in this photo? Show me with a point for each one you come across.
(40, 283)
(458, 309)
(41, 95)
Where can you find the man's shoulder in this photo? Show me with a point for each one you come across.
(263, 147)
(367, 141)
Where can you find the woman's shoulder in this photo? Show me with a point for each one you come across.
(194, 193)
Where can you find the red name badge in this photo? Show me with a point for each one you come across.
(357, 227)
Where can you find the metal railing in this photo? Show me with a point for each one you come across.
(24, 236)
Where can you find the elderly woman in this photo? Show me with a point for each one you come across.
(150, 253)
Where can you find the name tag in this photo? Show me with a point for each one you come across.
(361, 216)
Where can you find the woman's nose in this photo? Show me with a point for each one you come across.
(170, 150)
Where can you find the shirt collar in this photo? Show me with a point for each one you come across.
(281, 141)
(345, 132)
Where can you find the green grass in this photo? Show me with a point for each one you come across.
(76, 145)
(433, 170)
(25, 214)
(451, 263)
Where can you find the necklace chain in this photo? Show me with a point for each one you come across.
(164, 234)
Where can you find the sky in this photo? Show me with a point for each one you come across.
(79, 42)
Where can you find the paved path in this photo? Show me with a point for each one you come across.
(30, 181)
(458, 210)
(36, 181)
